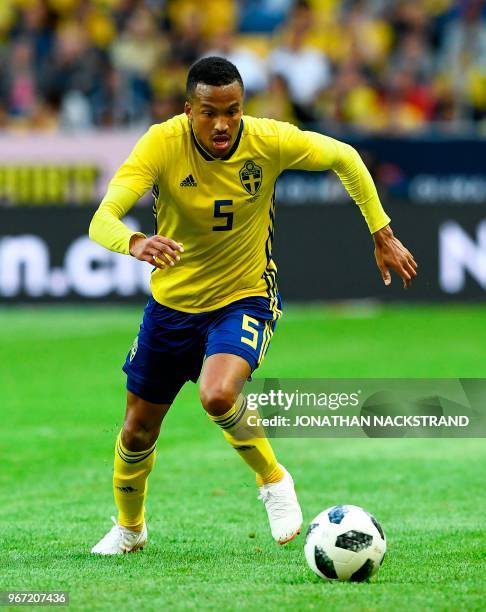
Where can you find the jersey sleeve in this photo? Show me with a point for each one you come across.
(135, 176)
(106, 227)
(144, 164)
(301, 150)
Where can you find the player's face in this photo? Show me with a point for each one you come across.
(215, 113)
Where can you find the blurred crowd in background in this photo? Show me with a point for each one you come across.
(392, 67)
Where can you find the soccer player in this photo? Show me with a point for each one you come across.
(214, 302)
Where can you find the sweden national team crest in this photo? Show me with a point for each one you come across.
(251, 177)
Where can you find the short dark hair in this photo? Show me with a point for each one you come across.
(212, 71)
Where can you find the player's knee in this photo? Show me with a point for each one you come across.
(138, 436)
(217, 399)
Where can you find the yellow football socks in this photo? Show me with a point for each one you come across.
(249, 442)
(130, 483)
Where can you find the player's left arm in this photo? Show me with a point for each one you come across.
(302, 150)
(390, 253)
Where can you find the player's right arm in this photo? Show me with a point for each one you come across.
(139, 172)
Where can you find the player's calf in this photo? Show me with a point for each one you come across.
(142, 422)
(137, 437)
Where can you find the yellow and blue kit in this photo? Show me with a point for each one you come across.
(223, 211)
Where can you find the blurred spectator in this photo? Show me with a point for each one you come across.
(409, 17)
(21, 79)
(168, 84)
(413, 55)
(463, 57)
(305, 68)
(274, 102)
(36, 24)
(187, 41)
(352, 100)
(75, 112)
(253, 71)
(263, 15)
(214, 15)
(383, 66)
(370, 35)
(409, 103)
(165, 107)
(76, 73)
(136, 54)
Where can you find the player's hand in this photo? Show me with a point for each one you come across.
(390, 253)
(159, 251)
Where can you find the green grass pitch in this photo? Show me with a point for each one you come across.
(62, 397)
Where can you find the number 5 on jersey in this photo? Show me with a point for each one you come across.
(223, 214)
(251, 326)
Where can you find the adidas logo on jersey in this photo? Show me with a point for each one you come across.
(189, 182)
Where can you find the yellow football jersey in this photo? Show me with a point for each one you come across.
(223, 210)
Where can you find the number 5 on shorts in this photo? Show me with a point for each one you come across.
(251, 326)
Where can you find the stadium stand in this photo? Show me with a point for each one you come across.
(371, 66)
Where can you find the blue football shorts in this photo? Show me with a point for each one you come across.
(171, 345)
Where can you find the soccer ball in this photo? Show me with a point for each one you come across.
(345, 543)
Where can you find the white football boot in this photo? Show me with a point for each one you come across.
(284, 513)
(120, 540)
